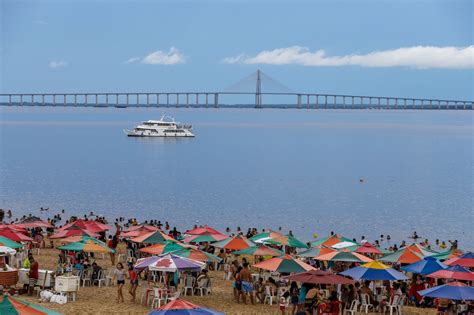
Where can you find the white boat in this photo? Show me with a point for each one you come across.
(165, 127)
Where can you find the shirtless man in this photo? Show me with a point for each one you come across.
(247, 287)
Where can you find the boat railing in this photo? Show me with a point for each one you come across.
(185, 126)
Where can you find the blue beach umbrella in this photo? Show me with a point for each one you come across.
(453, 291)
(374, 271)
(425, 267)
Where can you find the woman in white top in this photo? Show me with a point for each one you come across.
(120, 274)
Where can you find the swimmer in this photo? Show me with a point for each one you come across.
(388, 237)
(443, 245)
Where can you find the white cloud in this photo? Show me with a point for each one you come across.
(41, 22)
(57, 64)
(159, 57)
(422, 57)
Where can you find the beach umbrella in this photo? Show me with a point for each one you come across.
(455, 272)
(315, 251)
(197, 254)
(205, 230)
(276, 238)
(319, 277)
(374, 271)
(409, 254)
(425, 266)
(88, 244)
(203, 238)
(7, 250)
(33, 222)
(237, 242)
(12, 227)
(344, 255)
(331, 240)
(153, 237)
(15, 236)
(344, 244)
(173, 263)
(158, 249)
(182, 307)
(284, 263)
(72, 231)
(452, 253)
(452, 290)
(259, 250)
(143, 263)
(140, 227)
(13, 306)
(9, 243)
(139, 230)
(89, 225)
(465, 260)
(367, 248)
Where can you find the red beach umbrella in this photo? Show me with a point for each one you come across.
(454, 272)
(465, 260)
(203, 230)
(15, 236)
(237, 242)
(367, 248)
(72, 231)
(319, 277)
(91, 226)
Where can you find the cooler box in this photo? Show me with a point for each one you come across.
(66, 284)
(23, 277)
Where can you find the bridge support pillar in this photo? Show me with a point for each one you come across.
(207, 100)
(298, 100)
(187, 99)
(177, 100)
(197, 100)
(216, 100)
(167, 99)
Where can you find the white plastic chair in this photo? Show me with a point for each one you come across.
(269, 295)
(201, 287)
(393, 305)
(101, 278)
(189, 285)
(86, 277)
(160, 295)
(365, 303)
(352, 308)
(109, 278)
(208, 287)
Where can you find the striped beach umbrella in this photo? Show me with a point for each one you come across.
(135, 231)
(72, 231)
(465, 260)
(374, 271)
(205, 230)
(182, 307)
(88, 244)
(158, 249)
(237, 242)
(452, 290)
(367, 248)
(89, 225)
(153, 237)
(425, 266)
(204, 238)
(197, 254)
(275, 238)
(331, 240)
(9, 243)
(173, 263)
(344, 255)
(10, 305)
(319, 277)
(409, 254)
(455, 272)
(452, 253)
(313, 252)
(259, 250)
(284, 263)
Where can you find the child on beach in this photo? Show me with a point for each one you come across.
(283, 305)
(133, 282)
(119, 274)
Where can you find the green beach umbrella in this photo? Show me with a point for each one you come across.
(259, 250)
(275, 238)
(315, 251)
(331, 240)
(409, 254)
(205, 238)
(88, 244)
(159, 249)
(13, 306)
(9, 243)
(284, 263)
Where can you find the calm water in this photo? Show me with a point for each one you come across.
(267, 168)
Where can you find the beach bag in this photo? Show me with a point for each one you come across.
(45, 296)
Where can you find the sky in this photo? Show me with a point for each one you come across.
(405, 48)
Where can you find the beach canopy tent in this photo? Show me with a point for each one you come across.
(72, 231)
(89, 225)
(455, 272)
(182, 307)
(205, 230)
(409, 254)
(368, 248)
(465, 260)
(425, 266)
(331, 240)
(374, 271)
(16, 236)
(158, 249)
(344, 255)
(275, 238)
(9, 243)
(196, 254)
(33, 222)
(10, 305)
(313, 252)
(452, 290)
(88, 244)
(284, 263)
(259, 250)
(173, 263)
(203, 238)
(153, 237)
(237, 242)
(319, 277)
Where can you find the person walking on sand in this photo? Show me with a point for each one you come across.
(119, 274)
(133, 282)
(247, 287)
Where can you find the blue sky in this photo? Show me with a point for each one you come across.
(88, 46)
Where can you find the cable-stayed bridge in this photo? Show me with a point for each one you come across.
(255, 88)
